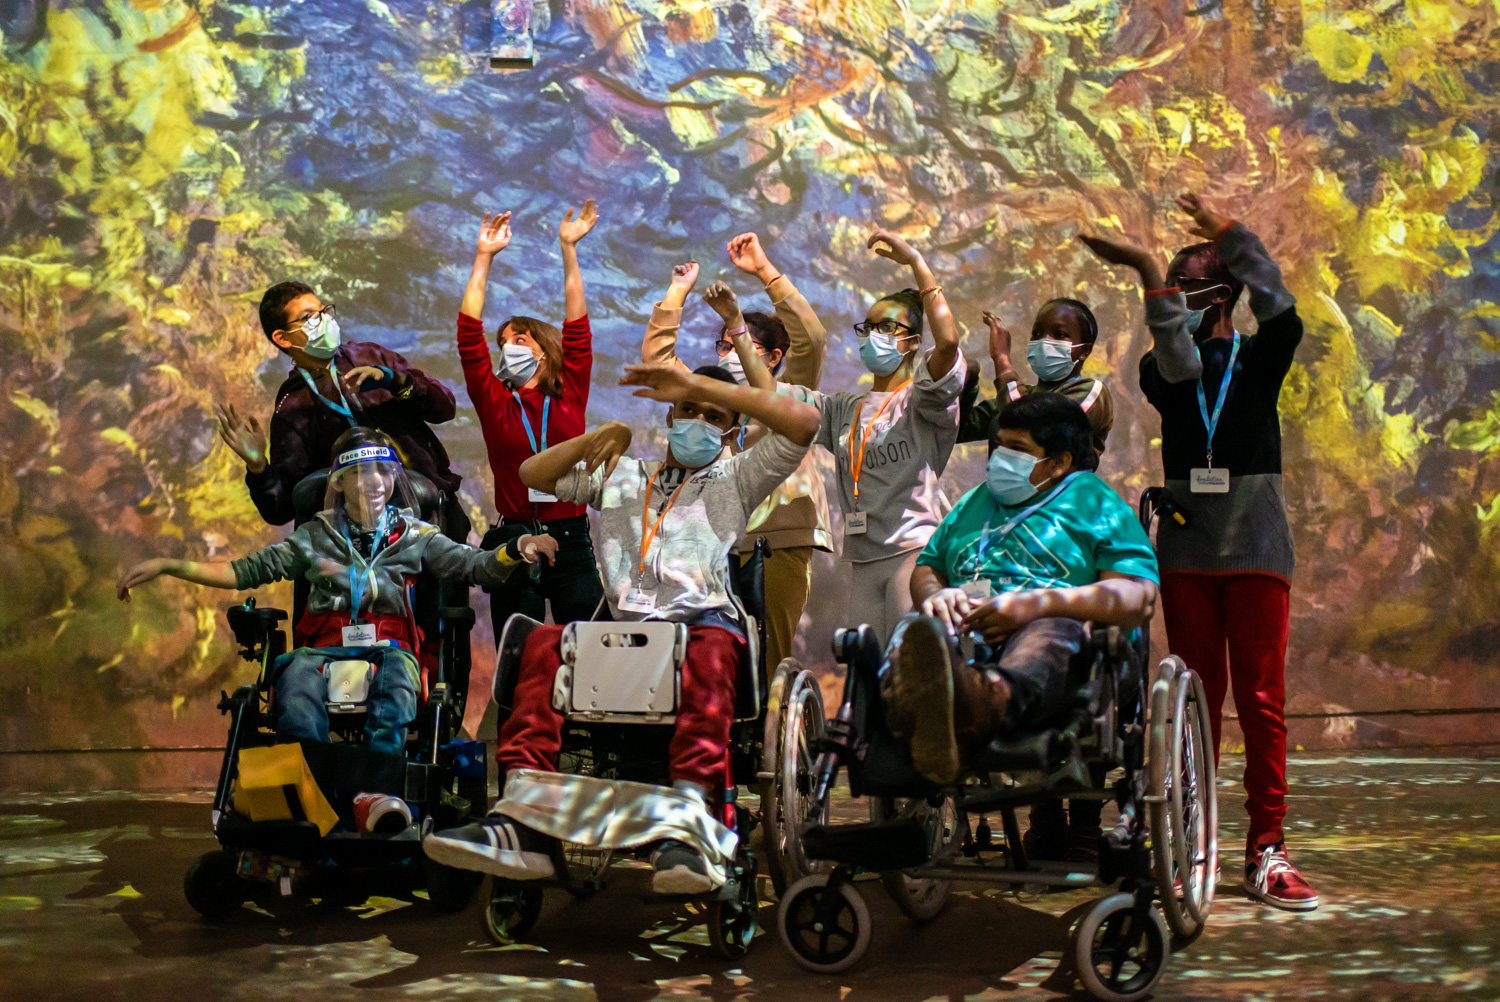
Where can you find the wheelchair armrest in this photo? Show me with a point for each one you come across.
(252, 626)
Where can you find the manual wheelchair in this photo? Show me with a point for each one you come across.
(617, 690)
(442, 777)
(1144, 745)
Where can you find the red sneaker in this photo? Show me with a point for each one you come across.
(1271, 877)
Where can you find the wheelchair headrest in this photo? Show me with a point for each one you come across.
(312, 490)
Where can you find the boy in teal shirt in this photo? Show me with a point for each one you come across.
(1023, 562)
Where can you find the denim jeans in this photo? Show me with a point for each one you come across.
(302, 694)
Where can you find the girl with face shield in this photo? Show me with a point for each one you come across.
(358, 555)
(537, 396)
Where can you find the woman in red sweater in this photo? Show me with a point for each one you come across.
(536, 397)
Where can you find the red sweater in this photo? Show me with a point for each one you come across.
(500, 417)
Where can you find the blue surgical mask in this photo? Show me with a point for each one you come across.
(1194, 320)
(694, 442)
(1050, 358)
(517, 364)
(880, 353)
(1008, 475)
(323, 335)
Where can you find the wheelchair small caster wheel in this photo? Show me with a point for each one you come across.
(1118, 957)
(731, 924)
(450, 889)
(213, 885)
(511, 912)
(825, 931)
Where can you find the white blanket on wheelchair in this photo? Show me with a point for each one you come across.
(615, 814)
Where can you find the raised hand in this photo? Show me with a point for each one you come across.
(571, 230)
(1206, 222)
(746, 254)
(668, 382)
(243, 435)
(606, 445)
(722, 300)
(1114, 251)
(138, 575)
(533, 548)
(894, 248)
(685, 276)
(494, 233)
(999, 340)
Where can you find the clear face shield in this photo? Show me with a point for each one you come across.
(367, 488)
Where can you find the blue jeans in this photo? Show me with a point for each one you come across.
(302, 694)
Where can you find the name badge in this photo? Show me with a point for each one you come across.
(638, 601)
(978, 588)
(360, 635)
(856, 523)
(539, 497)
(1204, 480)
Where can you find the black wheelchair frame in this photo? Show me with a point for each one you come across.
(292, 854)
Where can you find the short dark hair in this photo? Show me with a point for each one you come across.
(273, 306)
(1057, 423)
(912, 300)
(1090, 325)
(722, 375)
(1214, 269)
(769, 332)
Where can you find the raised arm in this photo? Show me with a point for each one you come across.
(726, 304)
(1115, 598)
(494, 237)
(605, 444)
(935, 306)
(1166, 309)
(789, 418)
(569, 232)
(660, 343)
(1007, 381)
(213, 575)
(807, 340)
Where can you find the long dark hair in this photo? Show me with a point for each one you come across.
(549, 339)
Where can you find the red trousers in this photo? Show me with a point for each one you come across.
(530, 739)
(1232, 629)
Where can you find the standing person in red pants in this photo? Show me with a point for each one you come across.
(1226, 573)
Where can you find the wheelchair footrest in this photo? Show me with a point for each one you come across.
(877, 845)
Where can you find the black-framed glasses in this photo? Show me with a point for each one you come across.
(887, 327)
(317, 316)
(724, 346)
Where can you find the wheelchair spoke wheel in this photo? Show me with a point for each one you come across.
(788, 809)
(1184, 799)
(921, 898)
(770, 775)
(511, 912)
(213, 885)
(732, 924)
(1118, 956)
(825, 931)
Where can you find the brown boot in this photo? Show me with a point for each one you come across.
(980, 700)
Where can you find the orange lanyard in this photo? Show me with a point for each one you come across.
(648, 531)
(857, 457)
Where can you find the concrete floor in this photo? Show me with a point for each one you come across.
(1404, 848)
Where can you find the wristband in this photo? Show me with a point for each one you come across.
(1149, 293)
(929, 291)
(1223, 230)
(741, 329)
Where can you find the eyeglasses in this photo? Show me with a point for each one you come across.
(724, 346)
(315, 318)
(864, 328)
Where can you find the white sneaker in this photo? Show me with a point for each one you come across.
(496, 845)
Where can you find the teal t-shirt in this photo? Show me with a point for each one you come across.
(1081, 532)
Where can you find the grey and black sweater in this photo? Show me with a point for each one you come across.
(1245, 530)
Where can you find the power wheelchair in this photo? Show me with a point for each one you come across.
(618, 698)
(443, 777)
(1143, 744)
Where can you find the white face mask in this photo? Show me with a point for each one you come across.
(731, 364)
(323, 336)
(517, 365)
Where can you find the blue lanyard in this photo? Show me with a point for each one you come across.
(526, 421)
(342, 407)
(1211, 424)
(357, 581)
(988, 540)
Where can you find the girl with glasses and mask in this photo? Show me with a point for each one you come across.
(537, 395)
(891, 443)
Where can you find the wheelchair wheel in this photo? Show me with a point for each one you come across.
(448, 888)
(732, 924)
(921, 898)
(511, 912)
(1117, 957)
(213, 885)
(825, 932)
(794, 726)
(1184, 812)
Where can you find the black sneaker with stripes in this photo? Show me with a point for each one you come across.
(497, 846)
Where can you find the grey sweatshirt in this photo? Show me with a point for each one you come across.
(687, 565)
(319, 552)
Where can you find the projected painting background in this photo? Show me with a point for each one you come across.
(163, 162)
